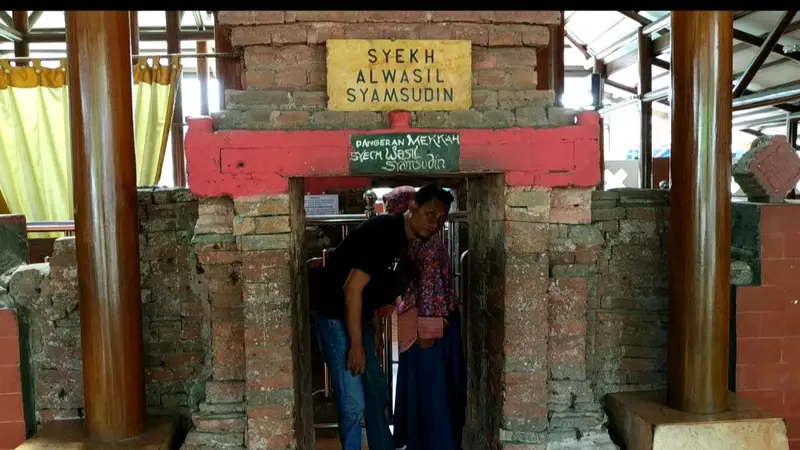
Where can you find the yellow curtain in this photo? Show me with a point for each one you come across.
(154, 89)
(35, 166)
(35, 159)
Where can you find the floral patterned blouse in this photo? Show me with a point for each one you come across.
(431, 297)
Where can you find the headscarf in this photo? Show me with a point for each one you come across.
(432, 292)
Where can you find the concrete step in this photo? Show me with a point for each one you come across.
(221, 408)
(220, 423)
(201, 440)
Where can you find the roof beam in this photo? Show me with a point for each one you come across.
(34, 17)
(577, 45)
(633, 15)
(658, 25)
(755, 133)
(763, 53)
(5, 18)
(144, 35)
(620, 86)
(662, 43)
(198, 19)
(10, 34)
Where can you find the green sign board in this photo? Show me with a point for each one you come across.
(405, 153)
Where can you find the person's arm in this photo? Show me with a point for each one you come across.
(377, 328)
(353, 288)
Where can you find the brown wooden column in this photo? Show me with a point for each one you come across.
(178, 152)
(134, 32)
(22, 48)
(550, 62)
(202, 76)
(700, 211)
(557, 59)
(106, 224)
(645, 110)
(229, 71)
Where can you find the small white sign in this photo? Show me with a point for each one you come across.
(321, 205)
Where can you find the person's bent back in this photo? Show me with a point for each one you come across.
(369, 269)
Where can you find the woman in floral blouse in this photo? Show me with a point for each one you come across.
(431, 381)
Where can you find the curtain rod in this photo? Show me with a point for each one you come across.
(155, 55)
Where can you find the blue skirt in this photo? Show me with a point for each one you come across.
(431, 393)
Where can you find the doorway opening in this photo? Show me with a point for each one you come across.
(474, 226)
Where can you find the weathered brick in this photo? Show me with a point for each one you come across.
(534, 36)
(462, 16)
(250, 17)
(435, 31)
(257, 99)
(333, 119)
(571, 205)
(526, 237)
(319, 33)
(309, 99)
(484, 99)
(272, 205)
(429, 119)
(504, 36)
(560, 117)
(364, 119)
(531, 116)
(534, 17)
(477, 34)
(394, 16)
(294, 33)
(217, 423)
(528, 97)
(263, 242)
(466, 119)
(251, 35)
(322, 16)
(498, 118)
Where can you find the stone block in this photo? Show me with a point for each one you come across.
(768, 170)
(531, 116)
(571, 205)
(13, 242)
(272, 205)
(560, 117)
(643, 421)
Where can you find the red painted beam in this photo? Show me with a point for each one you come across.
(244, 163)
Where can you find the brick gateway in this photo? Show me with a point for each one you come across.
(532, 244)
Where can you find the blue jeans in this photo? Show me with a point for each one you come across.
(357, 396)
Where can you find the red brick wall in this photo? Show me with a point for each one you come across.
(768, 320)
(12, 420)
(285, 49)
(285, 67)
(175, 320)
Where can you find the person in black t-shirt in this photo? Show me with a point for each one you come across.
(368, 270)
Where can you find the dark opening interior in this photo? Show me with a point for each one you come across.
(473, 199)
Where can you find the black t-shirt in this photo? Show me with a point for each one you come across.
(379, 247)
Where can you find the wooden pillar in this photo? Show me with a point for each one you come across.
(22, 48)
(229, 73)
(557, 59)
(178, 154)
(134, 32)
(106, 223)
(550, 62)
(202, 76)
(700, 211)
(645, 110)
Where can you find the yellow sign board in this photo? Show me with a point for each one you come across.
(410, 75)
